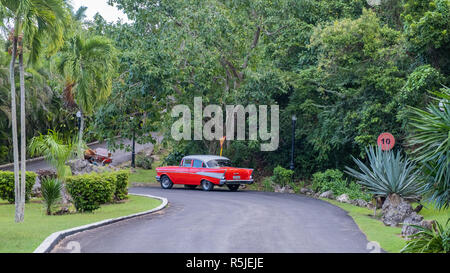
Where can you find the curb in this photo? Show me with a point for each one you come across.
(51, 241)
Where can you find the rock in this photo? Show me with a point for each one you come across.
(343, 198)
(414, 219)
(359, 203)
(306, 191)
(81, 166)
(395, 210)
(327, 194)
(370, 206)
(285, 189)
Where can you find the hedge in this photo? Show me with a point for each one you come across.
(89, 191)
(7, 185)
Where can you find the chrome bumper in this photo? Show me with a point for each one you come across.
(158, 179)
(235, 182)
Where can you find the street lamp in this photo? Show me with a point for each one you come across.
(294, 119)
(78, 118)
(133, 151)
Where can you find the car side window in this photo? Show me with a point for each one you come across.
(197, 164)
(187, 162)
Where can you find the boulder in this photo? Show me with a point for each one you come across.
(327, 194)
(360, 203)
(306, 191)
(414, 219)
(285, 189)
(81, 166)
(395, 210)
(343, 198)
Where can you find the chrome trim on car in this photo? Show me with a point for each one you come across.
(231, 182)
(158, 179)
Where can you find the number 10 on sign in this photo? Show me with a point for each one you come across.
(386, 141)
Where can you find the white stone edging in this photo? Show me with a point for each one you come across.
(51, 241)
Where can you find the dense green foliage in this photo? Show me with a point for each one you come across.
(282, 176)
(333, 180)
(7, 185)
(89, 191)
(122, 178)
(348, 71)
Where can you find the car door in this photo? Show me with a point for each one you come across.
(181, 174)
(197, 167)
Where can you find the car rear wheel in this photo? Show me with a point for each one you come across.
(190, 187)
(166, 183)
(233, 187)
(207, 186)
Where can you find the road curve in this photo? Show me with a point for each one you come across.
(224, 221)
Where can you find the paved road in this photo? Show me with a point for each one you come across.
(119, 156)
(224, 221)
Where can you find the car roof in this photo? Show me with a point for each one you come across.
(205, 158)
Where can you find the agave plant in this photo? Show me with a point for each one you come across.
(388, 173)
(51, 192)
(434, 240)
(430, 139)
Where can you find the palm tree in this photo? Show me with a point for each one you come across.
(34, 21)
(89, 67)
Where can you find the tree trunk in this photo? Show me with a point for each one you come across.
(23, 144)
(18, 216)
(80, 137)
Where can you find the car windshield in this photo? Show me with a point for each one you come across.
(219, 163)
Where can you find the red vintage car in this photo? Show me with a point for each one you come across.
(206, 171)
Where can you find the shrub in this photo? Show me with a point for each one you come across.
(51, 192)
(329, 180)
(333, 180)
(267, 184)
(388, 173)
(7, 185)
(121, 185)
(89, 191)
(144, 162)
(282, 176)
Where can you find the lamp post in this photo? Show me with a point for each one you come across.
(294, 119)
(133, 149)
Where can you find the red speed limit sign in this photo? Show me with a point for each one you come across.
(386, 141)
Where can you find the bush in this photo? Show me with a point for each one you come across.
(89, 191)
(7, 185)
(332, 180)
(282, 176)
(434, 240)
(121, 185)
(144, 162)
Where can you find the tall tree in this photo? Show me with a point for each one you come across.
(34, 21)
(89, 67)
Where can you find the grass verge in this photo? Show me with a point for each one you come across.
(26, 236)
(389, 237)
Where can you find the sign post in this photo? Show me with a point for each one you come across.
(386, 141)
(222, 140)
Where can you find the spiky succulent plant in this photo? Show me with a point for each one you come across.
(388, 173)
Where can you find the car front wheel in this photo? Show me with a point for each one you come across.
(207, 186)
(166, 183)
(233, 187)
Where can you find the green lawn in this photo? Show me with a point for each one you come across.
(26, 236)
(143, 176)
(389, 237)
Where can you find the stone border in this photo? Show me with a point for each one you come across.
(51, 241)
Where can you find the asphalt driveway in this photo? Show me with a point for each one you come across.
(224, 221)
